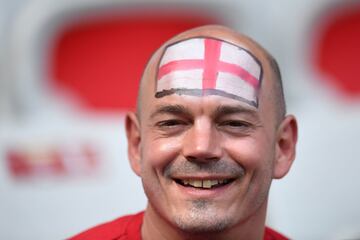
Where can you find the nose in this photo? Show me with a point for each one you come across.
(202, 142)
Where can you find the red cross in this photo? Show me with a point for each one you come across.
(211, 65)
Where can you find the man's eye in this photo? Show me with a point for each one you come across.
(170, 123)
(236, 127)
(171, 127)
(235, 123)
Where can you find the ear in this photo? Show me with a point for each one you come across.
(285, 146)
(134, 139)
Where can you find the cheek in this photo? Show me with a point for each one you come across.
(159, 152)
(156, 154)
(250, 152)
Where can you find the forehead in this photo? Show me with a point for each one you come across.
(203, 66)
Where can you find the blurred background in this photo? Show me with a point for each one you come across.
(69, 70)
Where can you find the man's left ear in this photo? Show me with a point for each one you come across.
(285, 146)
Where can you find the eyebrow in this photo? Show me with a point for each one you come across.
(228, 110)
(175, 109)
(221, 110)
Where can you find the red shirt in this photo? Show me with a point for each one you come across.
(128, 228)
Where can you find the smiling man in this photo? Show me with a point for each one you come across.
(209, 135)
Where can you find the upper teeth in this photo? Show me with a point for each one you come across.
(203, 183)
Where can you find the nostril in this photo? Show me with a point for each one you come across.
(191, 158)
(201, 159)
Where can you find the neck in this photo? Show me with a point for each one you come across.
(155, 227)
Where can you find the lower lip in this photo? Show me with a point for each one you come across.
(203, 192)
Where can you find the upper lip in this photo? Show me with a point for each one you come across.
(203, 177)
(205, 183)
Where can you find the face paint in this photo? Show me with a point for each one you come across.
(208, 66)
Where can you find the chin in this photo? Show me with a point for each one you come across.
(202, 217)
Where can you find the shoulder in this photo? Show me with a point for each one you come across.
(117, 229)
(271, 234)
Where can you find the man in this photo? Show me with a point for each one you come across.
(209, 135)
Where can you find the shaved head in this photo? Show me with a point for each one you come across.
(271, 67)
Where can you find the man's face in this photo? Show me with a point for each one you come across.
(206, 161)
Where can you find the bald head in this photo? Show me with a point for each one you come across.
(257, 61)
(210, 106)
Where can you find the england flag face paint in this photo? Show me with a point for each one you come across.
(209, 66)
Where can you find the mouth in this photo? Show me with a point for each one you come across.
(204, 184)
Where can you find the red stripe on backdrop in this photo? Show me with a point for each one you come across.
(337, 51)
(100, 62)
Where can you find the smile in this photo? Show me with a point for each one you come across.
(204, 184)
